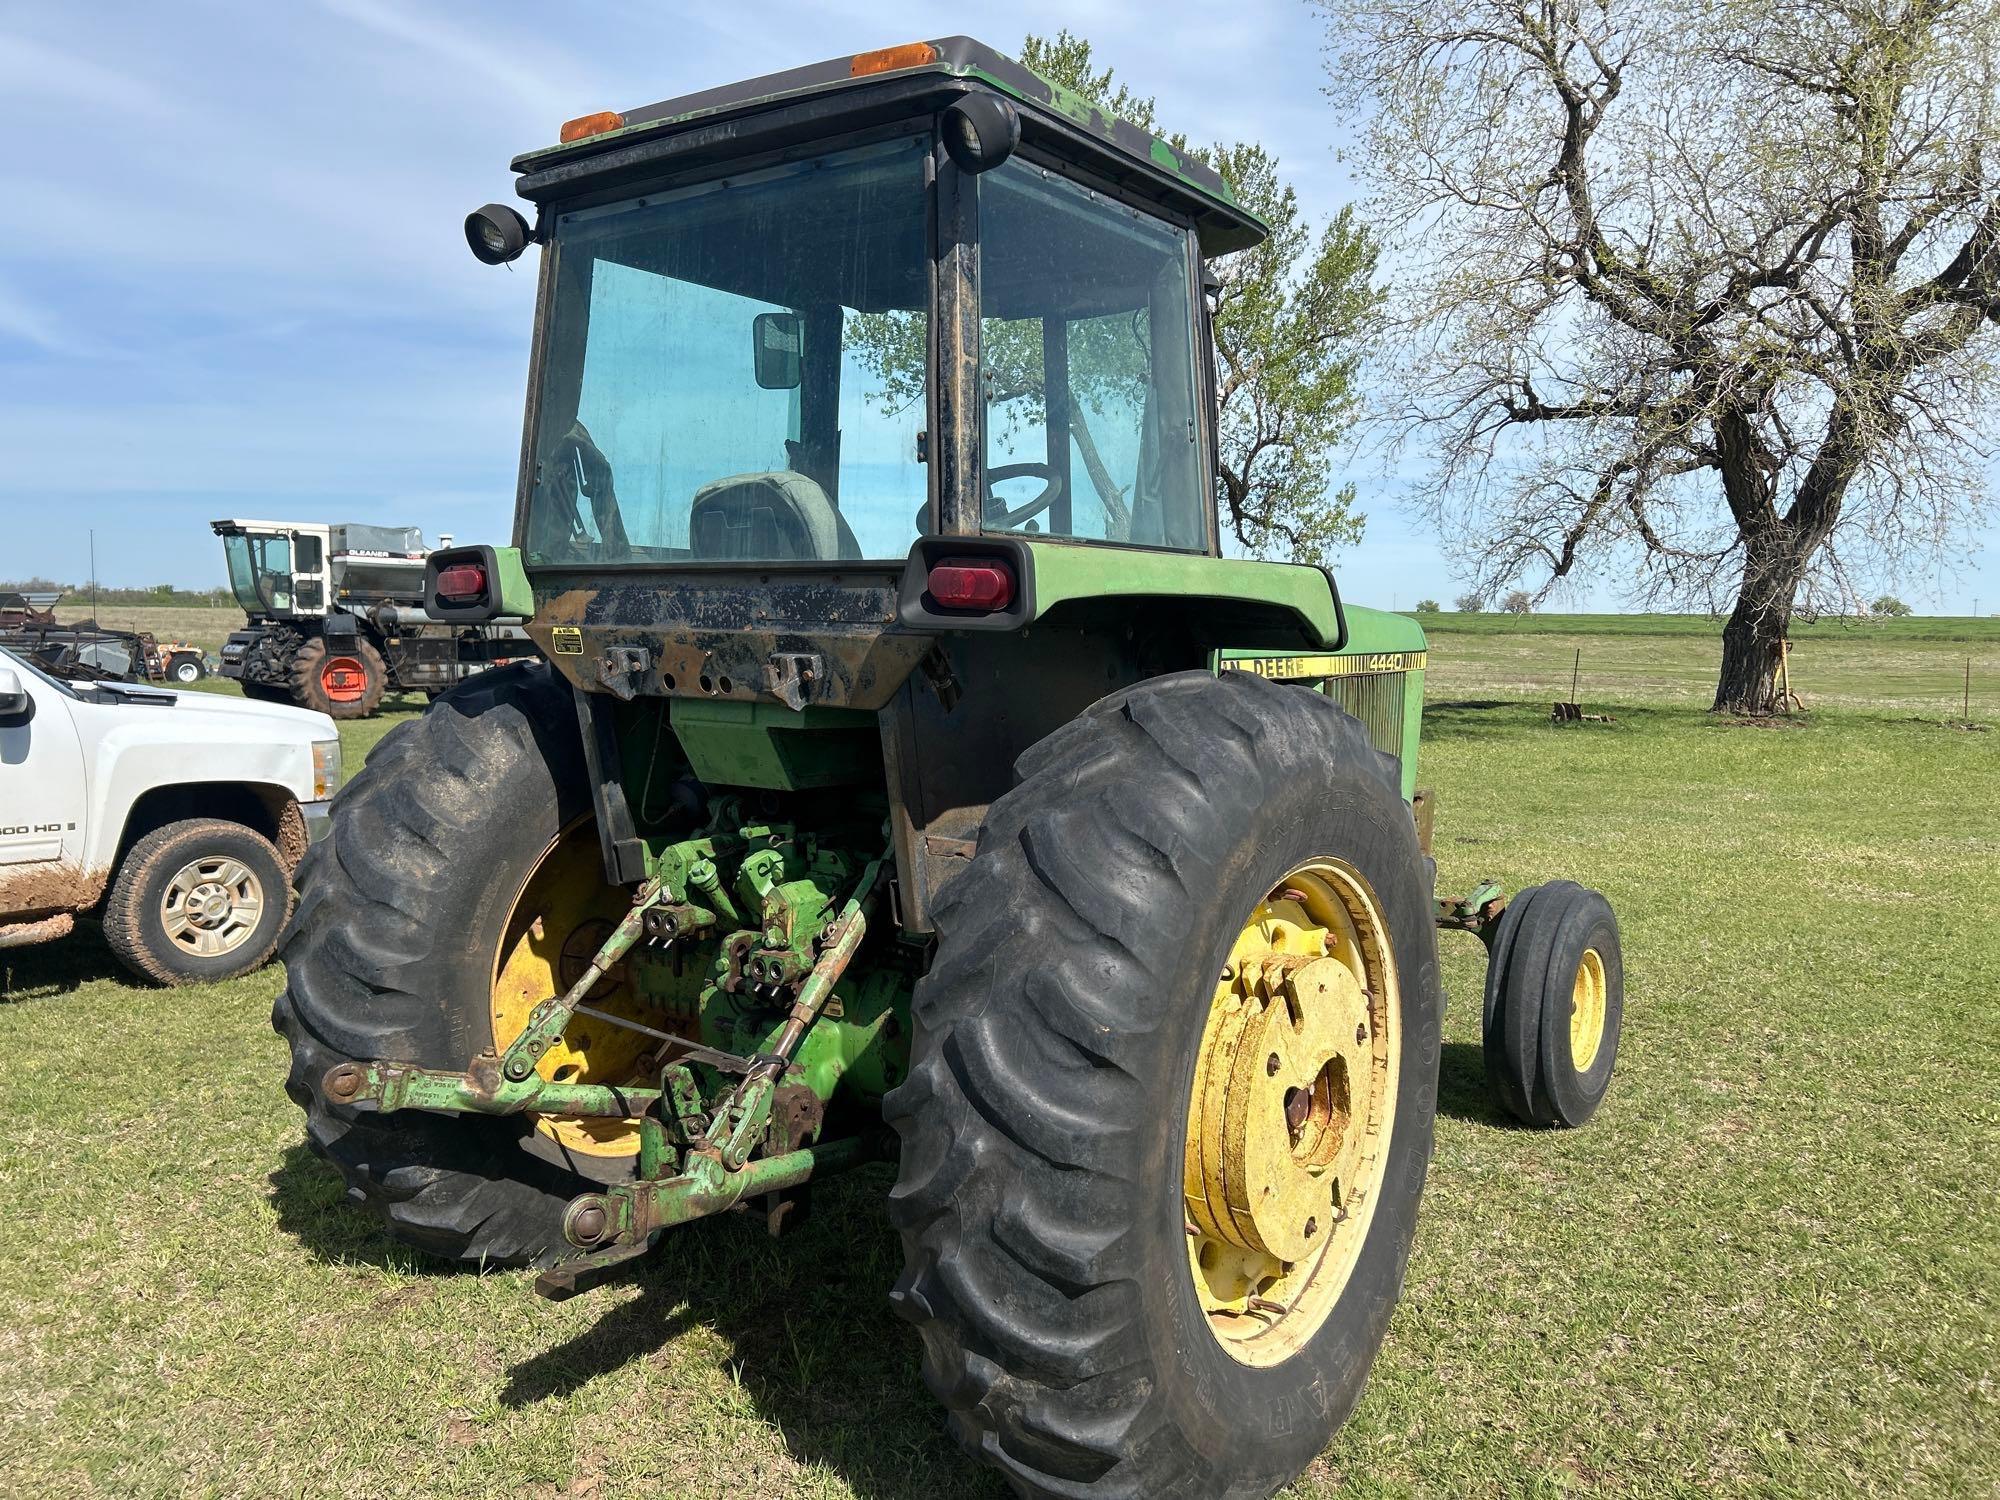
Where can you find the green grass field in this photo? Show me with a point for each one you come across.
(1769, 1267)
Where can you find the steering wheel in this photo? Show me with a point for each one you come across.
(998, 517)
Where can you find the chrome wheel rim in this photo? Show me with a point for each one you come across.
(211, 906)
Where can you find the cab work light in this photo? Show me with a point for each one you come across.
(971, 584)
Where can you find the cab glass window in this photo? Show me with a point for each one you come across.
(1087, 359)
(736, 371)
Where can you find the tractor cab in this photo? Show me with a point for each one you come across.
(815, 317)
(805, 338)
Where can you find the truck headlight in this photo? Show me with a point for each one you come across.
(326, 769)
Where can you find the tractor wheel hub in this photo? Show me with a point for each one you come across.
(1291, 1111)
(1278, 1099)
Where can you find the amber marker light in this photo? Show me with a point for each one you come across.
(888, 59)
(585, 126)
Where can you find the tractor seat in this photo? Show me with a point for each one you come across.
(781, 516)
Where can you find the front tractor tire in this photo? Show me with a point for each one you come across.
(1555, 1004)
(343, 680)
(1172, 1094)
(403, 908)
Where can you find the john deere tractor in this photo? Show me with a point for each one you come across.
(912, 777)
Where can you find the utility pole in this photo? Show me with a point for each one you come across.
(93, 576)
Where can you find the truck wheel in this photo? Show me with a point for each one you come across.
(408, 909)
(185, 667)
(1555, 1002)
(1172, 1095)
(344, 681)
(195, 901)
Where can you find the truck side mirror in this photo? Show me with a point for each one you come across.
(777, 342)
(16, 707)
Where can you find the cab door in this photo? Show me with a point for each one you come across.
(42, 793)
(310, 584)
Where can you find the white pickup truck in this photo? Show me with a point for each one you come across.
(175, 818)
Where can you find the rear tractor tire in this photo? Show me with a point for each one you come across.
(1172, 1096)
(461, 864)
(343, 681)
(1555, 1003)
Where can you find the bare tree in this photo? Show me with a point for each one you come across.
(1656, 256)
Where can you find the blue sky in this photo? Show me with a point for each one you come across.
(234, 283)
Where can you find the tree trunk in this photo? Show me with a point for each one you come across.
(1753, 640)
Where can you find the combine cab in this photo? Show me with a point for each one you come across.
(911, 776)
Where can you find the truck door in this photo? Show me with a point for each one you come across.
(41, 791)
(309, 571)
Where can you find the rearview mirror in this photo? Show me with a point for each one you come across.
(776, 340)
(16, 707)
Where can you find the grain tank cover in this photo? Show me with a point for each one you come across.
(392, 541)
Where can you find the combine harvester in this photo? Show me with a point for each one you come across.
(337, 618)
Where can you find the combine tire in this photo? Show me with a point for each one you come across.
(344, 680)
(402, 908)
(1172, 1095)
(1555, 1001)
(264, 693)
(197, 901)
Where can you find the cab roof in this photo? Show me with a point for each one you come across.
(867, 88)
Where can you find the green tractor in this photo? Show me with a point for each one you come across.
(912, 778)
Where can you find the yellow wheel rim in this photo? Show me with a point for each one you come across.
(1586, 1015)
(1293, 1104)
(561, 917)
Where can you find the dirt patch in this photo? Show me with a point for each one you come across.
(292, 837)
(1764, 721)
(34, 890)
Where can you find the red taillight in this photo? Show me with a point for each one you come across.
(971, 583)
(462, 583)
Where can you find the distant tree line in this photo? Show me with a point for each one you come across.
(159, 594)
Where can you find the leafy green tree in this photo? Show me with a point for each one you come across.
(1428, 607)
(1470, 604)
(1889, 607)
(1287, 321)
